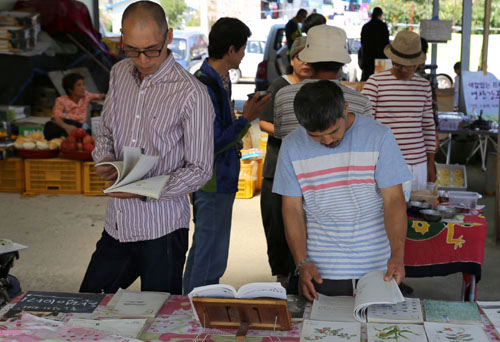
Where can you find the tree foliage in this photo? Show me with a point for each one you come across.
(399, 11)
(174, 10)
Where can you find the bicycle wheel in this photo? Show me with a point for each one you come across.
(444, 81)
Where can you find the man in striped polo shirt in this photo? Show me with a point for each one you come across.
(340, 176)
(402, 100)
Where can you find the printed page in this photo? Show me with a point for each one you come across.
(373, 289)
(118, 165)
(451, 312)
(330, 331)
(150, 187)
(409, 311)
(441, 332)
(123, 327)
(131, 156)
(396, 332)
(212, 291)
(259, 290)
(335, 309)
(140, 169)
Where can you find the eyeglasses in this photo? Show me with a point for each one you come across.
(150, 53)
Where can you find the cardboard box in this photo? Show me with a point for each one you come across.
(14, 32)
(18, 18)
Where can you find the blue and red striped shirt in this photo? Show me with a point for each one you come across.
(340, 187)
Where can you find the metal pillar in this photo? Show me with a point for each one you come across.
(465, 51)
(435, 15)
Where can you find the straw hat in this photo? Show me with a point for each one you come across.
(405, 49)
(297, 46)
(325, 44)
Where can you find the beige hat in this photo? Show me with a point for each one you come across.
(297, 46)
(405, 49)
(325, 44)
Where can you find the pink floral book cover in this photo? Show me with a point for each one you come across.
(34, 329)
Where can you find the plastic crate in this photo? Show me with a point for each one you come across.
(92, 184)
(260, 168)
(12, 175)
(247, 180)
(59, 176)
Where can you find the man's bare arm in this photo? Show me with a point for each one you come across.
(396, 223)
(295, 231)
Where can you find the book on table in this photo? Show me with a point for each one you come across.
(451, 312)
(330, 331)
(371, 290)
(247, 291)
(126, 327)
(133, 304)
(131, 172)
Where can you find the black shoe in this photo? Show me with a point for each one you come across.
(405, 289)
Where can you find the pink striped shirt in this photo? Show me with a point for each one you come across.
(405, 107)
(168, 114)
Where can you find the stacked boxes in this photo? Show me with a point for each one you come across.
(12, 175)
(247, 180)
(92, 184)
(18, 30)
(61, 176)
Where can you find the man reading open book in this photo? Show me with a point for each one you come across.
(155, 105)
(340, 176)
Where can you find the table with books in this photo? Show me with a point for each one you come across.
(442, 248)
(175, 322)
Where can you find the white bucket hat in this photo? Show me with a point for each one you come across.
(406, 49)
(325, 44)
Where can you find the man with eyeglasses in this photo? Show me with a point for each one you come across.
(153, 104)
(402, 100)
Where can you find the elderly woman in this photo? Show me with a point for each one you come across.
(70, 111)
(270, 204)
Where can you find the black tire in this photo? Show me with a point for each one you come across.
(444, 81)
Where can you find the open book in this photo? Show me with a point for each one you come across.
(371, 289)
(131, 171)
(247, 291)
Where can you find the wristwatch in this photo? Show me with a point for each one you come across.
(299, 264)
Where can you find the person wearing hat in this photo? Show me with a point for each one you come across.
(326, 52)
(402, 100)
(270, 204)
(339, 174)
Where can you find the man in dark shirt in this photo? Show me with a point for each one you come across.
(374, 38)
(293, 29)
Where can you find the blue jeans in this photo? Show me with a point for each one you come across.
(207, 259)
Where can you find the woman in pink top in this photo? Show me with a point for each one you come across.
(70, 111)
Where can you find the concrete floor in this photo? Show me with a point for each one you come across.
(61, 232)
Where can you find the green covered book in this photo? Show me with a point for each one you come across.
(451, 312)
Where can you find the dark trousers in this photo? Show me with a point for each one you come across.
(51, 130)
(159, 263)
(277, 248)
